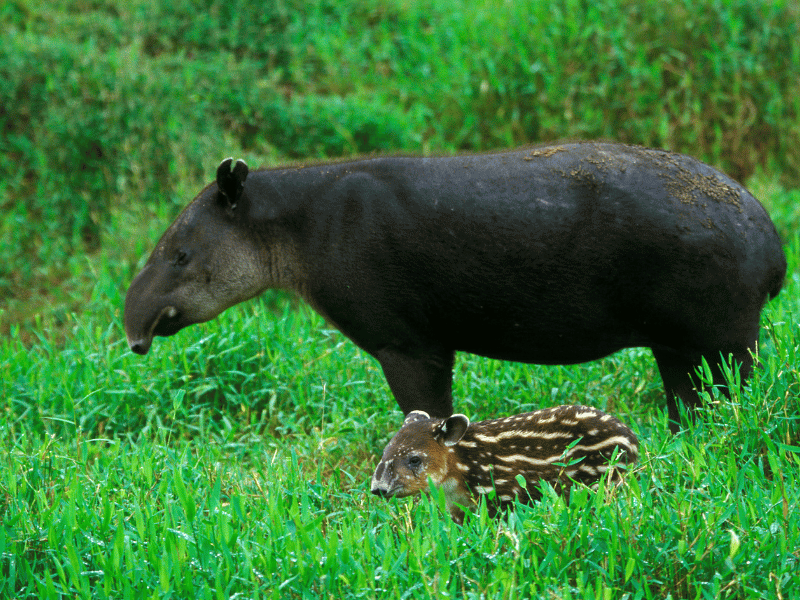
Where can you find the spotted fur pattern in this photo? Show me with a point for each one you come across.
(560, 445)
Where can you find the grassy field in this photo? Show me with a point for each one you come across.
(233, 461)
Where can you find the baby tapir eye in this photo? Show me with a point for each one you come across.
(414, 462)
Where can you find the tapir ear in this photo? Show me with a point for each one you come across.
(453, 429)
(416, 415)
(231, 181)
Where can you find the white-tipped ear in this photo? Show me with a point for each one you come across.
(416, 415)
(453, 429)
(240, 170)
(230, 182)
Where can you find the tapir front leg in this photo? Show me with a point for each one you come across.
(420, 383)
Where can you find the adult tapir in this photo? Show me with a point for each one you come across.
(550, 255)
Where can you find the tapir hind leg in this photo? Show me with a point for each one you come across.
(679, 375)
(420, 383)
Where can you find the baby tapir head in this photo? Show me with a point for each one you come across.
(560, 445)
(422, 449)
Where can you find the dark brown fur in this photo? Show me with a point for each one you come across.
(551, 255)
(560, 445)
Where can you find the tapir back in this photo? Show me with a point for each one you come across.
(498, 254)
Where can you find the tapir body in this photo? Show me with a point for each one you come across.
(549, 255)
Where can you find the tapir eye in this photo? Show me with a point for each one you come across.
(182, 258)
(414, 462)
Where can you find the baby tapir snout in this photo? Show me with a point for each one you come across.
(382, 479)
(561, 445)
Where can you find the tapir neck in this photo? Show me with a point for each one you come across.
(313, 220)
(298, 218)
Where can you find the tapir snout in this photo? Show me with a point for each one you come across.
(140, 329)
(160, 316)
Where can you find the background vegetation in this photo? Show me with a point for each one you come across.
(233, 460)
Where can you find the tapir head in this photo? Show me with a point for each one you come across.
(209, 259)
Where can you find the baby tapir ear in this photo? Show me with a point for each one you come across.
(416, 415)
(231, 181)
(452, 429)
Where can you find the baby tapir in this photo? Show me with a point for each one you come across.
(550, 255)
(560, 445)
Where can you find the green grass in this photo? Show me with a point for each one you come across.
(233, 461)
(235, 458)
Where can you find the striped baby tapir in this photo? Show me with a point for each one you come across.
(561, 445)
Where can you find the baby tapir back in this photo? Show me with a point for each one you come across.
(561, 445)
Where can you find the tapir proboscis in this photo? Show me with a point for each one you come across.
(549, 255)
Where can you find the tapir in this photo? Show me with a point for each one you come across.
(552, 255)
